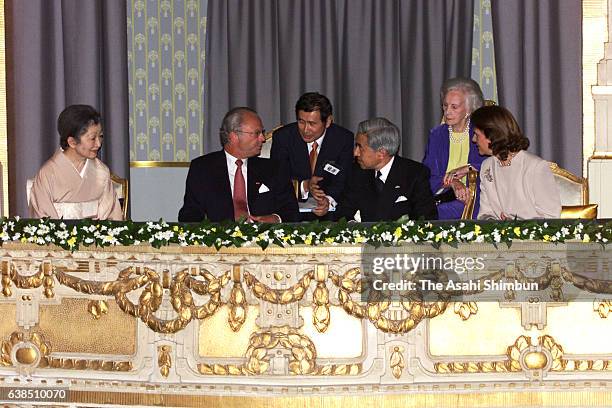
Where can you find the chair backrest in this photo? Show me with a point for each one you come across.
(265, 149)
(122, 189)
(29, 184)
(574, 190)
(468, 209)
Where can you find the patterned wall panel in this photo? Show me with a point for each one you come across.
(483, 51)
(166, 52)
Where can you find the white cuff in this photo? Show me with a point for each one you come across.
(303, 194)
(332, 203)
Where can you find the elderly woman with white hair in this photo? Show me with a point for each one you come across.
(450, 151)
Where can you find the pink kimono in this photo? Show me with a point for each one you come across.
(59, 191)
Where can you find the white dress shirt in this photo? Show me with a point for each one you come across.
(384, 172)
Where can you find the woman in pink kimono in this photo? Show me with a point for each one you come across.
(74, 183)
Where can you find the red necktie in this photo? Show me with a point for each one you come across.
(240, 197)
(313, 157)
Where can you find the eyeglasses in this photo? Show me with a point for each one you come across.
(256, 133)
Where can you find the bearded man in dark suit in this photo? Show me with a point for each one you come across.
(385, 186)
(314, 151)
(233, 183)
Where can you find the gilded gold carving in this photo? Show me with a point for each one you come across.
(164, 360)
(303, 352)
(561, 364)
(26, 355)
(83, 364)
(6, 279)
(320, 313)
(32, 347)
(97, 308)
(237, 302)
(278, 296)
(587, 284)
(603, 308)
(465, 309)
(376, 309)
(131, 279)
(302, 356)
(392, 317)
(535, 360)
(48, 281)
(556, 352)
(28, 348)
(522, 352)
(396, 361)
(7, 347)
(44, 277)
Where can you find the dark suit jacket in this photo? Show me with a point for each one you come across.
(407, 179)
(291, 151)
(208, 193)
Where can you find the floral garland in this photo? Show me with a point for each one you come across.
(72, 235)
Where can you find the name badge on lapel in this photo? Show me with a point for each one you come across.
(331, 169)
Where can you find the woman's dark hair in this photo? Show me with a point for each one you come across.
(74, 121)
(500, 127)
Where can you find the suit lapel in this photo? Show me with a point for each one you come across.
(301, 156)
(253, 180)
(224, 184)
(326, 147)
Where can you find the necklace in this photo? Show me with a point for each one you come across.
(462, 136)
(508, 161)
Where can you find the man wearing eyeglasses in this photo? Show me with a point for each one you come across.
(315, 151)
(235, 184)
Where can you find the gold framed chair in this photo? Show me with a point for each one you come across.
(574, 192)
(468, 209)
(265, 149)
(122, 189)
(29, 184)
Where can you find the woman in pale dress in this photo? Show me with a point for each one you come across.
(514, 184)
(74, 183)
